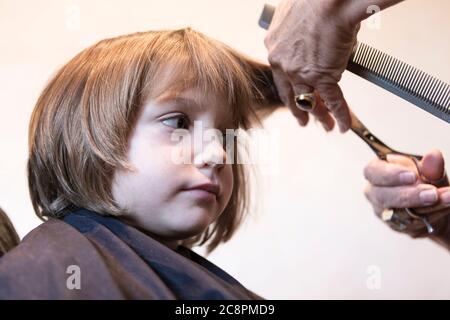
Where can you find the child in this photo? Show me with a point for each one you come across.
(121, 215)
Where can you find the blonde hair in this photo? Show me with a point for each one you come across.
(8, 235)
(82, 120)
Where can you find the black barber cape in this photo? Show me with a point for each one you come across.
(88, 256)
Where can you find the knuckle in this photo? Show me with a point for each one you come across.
(380, 198)
(368, 171)
(292, 72)
(274, 59)
(403, 198)
(367, 191)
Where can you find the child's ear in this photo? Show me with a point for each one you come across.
(266, 97)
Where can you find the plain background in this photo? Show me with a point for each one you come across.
(312, 233)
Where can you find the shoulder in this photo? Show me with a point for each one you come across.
(40, 265)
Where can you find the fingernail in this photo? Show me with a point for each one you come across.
(326, 126)
(428, 196)
(407, 177)
(445, 197)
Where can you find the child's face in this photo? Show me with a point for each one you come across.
(154, 194)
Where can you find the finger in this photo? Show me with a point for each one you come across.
(444, 195)
(403, 197)
(432, 165)
(286, 94)
(401, 160)
(335, 102)
(322, 114)
(369, 196)
(382, 173)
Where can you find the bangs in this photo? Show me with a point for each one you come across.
(191, 60)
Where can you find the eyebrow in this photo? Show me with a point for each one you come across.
(181, 101)
(190, 104)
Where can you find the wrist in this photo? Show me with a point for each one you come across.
(358, 11)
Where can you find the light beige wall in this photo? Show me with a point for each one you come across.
(315, 235)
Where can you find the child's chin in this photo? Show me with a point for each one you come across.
(192, 228)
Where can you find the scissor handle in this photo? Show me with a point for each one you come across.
(414, 221)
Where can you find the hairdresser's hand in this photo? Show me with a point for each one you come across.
(395, 184)
(309, 44)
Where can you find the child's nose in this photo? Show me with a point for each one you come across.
(212, 153)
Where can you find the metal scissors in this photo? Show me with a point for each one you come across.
(401, 219)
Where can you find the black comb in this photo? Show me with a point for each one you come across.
(403, 80)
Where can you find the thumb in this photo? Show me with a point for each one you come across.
(432, 165)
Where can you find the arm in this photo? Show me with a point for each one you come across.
(359, 12)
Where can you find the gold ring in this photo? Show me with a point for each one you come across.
(305, 101)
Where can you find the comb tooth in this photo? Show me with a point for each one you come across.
(399, 72)
(441, 98)
(430, 82)
(391, 67)
(360, 56)
(377, 62)
(417, 83)
(395, 70)
(363, 55)
(410, 77)
(372, 58)
(355, 56)
(385, 63)
(447, 102)
(445, 99)
(442, 95)
(445, 96)
(426, 86)
(414, 80)
(437, 91)
(425, 83)
(369, 57)
(366, 56)
(433, 90)
(358, 52)
(382, 65)
(403, 76)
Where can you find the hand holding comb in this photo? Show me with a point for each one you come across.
(409, 83)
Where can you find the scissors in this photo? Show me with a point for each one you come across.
(411, 220)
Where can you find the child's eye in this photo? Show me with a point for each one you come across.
(177, 122)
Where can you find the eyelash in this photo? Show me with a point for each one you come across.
(180, 116)
(189, 123)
